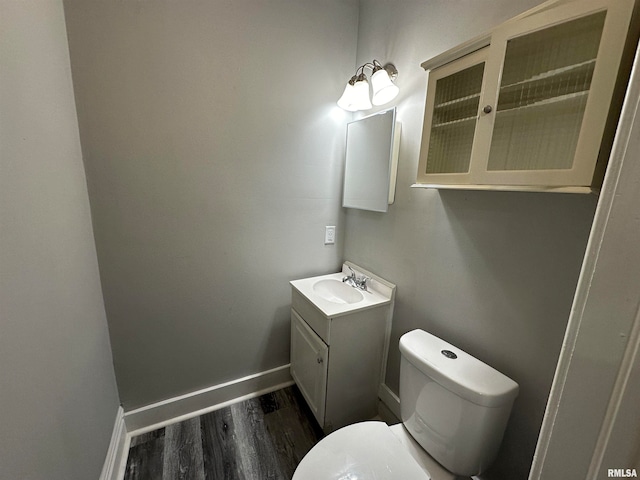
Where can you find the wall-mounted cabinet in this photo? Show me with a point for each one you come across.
(371, 162)
(528, 108)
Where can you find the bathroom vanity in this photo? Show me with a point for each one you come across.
(339, 344)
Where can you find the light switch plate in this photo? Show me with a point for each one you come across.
(329, 235)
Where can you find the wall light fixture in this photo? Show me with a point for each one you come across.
(356, 94)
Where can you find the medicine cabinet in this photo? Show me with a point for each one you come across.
(371, 162)
(528, 110)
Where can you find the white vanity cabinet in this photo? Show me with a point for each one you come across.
(527, 107)
(338, 353)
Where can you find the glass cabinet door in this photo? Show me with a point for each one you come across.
(451, 114)
(544, 122)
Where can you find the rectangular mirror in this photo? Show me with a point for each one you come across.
(371, 162)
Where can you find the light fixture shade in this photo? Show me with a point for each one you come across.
(361, 94)
(384, 90)
(346, 101)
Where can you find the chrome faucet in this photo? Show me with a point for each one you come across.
(357, 282)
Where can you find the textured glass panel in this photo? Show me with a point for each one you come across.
(543, 93)
(454, 121)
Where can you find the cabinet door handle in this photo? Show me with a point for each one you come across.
(320, 360)
(487, 109)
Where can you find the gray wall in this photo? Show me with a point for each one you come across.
(58, 395)
(491, 272)
(214, 158)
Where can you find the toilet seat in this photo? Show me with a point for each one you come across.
(363, 451)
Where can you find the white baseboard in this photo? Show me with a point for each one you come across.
(183, 407)
(117, 448)
(390, 399)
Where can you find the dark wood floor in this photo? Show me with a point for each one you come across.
(258, 439)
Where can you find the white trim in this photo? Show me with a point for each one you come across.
(117, 448)
(630, 361)
(390, 399)
(567, 405)
(182, 407)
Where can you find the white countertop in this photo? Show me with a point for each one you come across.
(377, 293)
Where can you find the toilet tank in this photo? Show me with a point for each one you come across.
(454, 405)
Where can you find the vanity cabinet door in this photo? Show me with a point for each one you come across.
(309, 358)
(549, 83)
(451, 115)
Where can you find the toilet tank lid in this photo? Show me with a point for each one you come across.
(464, 375)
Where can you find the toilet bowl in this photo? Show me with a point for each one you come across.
(454, 411)
(367, 451)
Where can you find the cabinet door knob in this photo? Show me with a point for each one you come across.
(320, 360)
(487, 109)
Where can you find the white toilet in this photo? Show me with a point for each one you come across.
(454, 411)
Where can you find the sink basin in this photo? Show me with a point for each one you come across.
(333, 298)
(337, 292)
